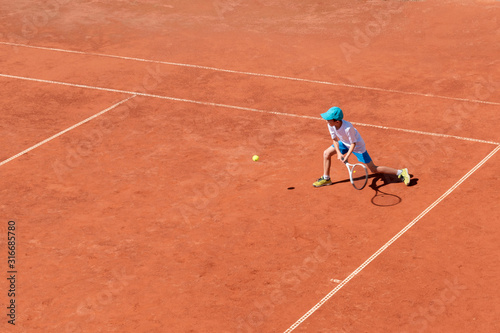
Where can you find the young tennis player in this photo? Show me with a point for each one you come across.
(347, 141)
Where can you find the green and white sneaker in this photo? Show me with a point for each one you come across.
(322, 182)
(405, 177)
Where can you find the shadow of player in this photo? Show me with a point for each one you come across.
(387, 179)
(382, 198)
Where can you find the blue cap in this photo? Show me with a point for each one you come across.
(334, 113)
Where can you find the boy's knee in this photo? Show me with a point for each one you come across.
(328, 153)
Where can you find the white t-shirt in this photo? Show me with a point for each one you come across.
(348, 135)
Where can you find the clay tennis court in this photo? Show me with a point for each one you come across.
(127, 135)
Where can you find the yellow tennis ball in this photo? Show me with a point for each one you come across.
(255, 158)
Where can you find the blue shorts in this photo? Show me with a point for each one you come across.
(363, 158)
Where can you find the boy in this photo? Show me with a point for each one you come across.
(347, 141)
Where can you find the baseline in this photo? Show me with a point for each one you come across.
(253, 74)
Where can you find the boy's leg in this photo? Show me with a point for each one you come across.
(381, 169)
(402, 174)
(327, 160)
(366, 159)
(327, 157)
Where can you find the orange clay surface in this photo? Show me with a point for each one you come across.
(152, 216)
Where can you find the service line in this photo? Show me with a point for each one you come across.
(136, 93)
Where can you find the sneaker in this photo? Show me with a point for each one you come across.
(405, 177)
(322, 182)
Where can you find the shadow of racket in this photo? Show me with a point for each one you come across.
(381, 198)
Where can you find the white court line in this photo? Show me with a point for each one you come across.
(253, 74)
(134, 94)
(389, 243)
(65, 131)
(427, 133)
(234, 107)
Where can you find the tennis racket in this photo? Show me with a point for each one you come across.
(358, 174)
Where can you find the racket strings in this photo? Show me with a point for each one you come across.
(359, 177)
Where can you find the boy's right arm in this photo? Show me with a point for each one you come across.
(337, 149)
